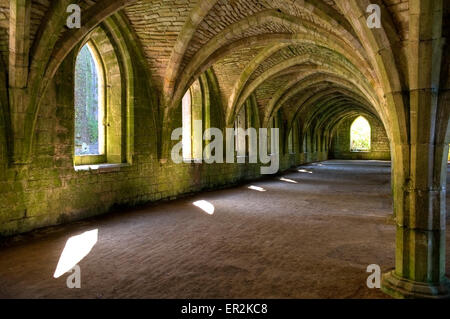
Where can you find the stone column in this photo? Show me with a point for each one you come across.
(419, 205)
(420, 167)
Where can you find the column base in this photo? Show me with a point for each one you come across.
(402, 288)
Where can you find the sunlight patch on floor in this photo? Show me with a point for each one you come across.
(256, 188)
(76, 248)
(204, 205)
(287, 180)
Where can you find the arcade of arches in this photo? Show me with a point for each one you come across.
(86, 117)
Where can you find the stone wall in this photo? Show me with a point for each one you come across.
(340, 147)
(50, 191)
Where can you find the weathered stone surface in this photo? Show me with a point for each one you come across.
(379, 142)
(309, 67)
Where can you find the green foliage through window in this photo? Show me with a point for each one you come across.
(86, 104)
(360, 135)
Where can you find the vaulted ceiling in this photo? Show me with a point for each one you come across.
(288, 54)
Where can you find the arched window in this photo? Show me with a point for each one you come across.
(272, 143)
(187, 126)
(103, 102)
(360, 135)
(291, 142)
(195, 119)
(240, 126)
(89, 104)
(245, 134)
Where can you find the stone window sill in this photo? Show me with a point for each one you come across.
(101, 168)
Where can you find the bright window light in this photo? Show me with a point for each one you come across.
(187, 126)
(360, 135)
(89, 112)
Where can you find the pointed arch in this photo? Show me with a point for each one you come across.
(89, 89)
(360, 135)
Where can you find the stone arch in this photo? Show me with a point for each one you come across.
(319, 99)
(49, 50)
(203, 95)
(443, 116)
(340, 139)
(315, 108)
(267, 39)
(418, 166)
(380, 48)
(196, 17)
(248, 71)
(119, 35)
(199, 111)
(212, 97)
(90, 85)
(313, 81)
(296, 61)
(356, 69)
(215, 53)
(323, 125)
(258, 19)
(118, 75)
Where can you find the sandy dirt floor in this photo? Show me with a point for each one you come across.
(311, 234)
